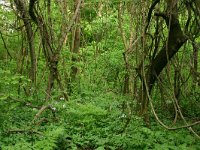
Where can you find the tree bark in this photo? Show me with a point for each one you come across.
(75, 42)
(175, 40)
(20, 5)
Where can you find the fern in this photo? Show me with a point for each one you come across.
(49, 140)
(22, 145)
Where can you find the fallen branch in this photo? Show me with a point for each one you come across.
(14, 131)
(42, 109)
(41, 121)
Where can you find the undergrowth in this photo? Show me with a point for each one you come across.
(94, 122)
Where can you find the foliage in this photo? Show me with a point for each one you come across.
(98, 114)
(83, 124)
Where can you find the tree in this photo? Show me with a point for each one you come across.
(23, 11)
(175, 40)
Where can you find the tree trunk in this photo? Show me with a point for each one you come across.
(195, 63)
(76, 43)
(176, 39)
(20, 5)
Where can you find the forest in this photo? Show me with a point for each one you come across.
(99, 75)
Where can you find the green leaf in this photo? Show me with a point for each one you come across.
(100, 148)
(4, 97)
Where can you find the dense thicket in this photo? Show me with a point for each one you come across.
(99, 74)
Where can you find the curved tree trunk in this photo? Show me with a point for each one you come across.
(175, 40)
